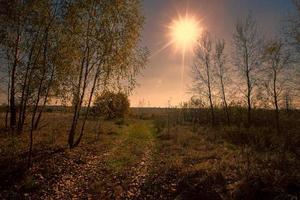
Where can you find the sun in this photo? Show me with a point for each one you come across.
(184, 32)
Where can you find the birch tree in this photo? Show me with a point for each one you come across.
(221, 73)
(277, 61)
(247, 46)
(202, 71)
(107, 35)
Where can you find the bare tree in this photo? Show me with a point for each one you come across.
(221, 73)
(202, 71)
(276, 60)
(247, 45)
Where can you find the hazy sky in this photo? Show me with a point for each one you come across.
(161, 80)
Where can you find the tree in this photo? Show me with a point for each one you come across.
(202, 71)
(70, 49)
(247, 57)
(112, 105)
(32, 43)
(277, 60)
(106, 35)
(11, 26)
(40, 72)
(221, 73)
(27, 25)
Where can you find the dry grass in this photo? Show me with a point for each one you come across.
(142, 159)
(236, 163)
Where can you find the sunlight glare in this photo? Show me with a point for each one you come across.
(185, 32)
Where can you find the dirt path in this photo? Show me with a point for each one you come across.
(97, 176)
(137, 149)
(67, 187)
(140, 174)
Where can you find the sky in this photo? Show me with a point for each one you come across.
(162, 82)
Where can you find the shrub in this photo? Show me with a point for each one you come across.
(111, 105)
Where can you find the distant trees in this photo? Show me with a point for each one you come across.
(112, 105)
(267, 70)
(246, 57)
(210, 72)
(267, 73)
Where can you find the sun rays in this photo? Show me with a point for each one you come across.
(182, 35)
(184, 32)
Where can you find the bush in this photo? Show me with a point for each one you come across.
(111, 105)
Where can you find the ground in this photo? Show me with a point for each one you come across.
(134, 159)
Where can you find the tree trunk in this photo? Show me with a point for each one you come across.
(249, 110)
(45, 101)
(247, 71)
(13, 110)
(32, 129)
(78, 105)
(38, 99)
(88, 108)
(28, 74)
(20, 121)
(8, 101)
(276, 101)
(77, 108)
(225, 101)
(27, 89)
(212, 112)
(79, 98)
(33, 120)
(210, 95)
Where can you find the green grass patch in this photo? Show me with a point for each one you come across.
(135, 140)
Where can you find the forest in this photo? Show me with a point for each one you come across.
(68, 129)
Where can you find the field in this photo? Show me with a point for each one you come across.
(149, 100)
(149, 156)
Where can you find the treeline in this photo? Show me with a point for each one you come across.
(67, 51)
(250, 72)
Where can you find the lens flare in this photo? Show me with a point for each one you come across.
(184, 32)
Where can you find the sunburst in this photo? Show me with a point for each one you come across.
(184, 32)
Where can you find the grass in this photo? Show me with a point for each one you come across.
(51, 156)
(223, 162)
(240, 158)
(135, 140)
